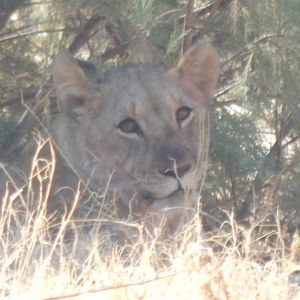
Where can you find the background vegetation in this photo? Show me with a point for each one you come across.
(254, 162)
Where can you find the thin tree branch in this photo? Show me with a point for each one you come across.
(121, 286)
(188, 22)
(200, 12)
(115, 51)
(250, 45)
(84, 34)
(13, 31)
(291, 141)
(17, 36)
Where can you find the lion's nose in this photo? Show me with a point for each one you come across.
(179, 172)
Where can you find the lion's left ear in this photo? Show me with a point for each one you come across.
(72, 85)
(68, 77)
(199, 66)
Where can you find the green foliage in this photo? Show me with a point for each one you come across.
(6, 128)
(236, 144)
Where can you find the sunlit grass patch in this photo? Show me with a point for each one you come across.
(43, 258)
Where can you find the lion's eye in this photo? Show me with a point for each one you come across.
(183, 113)
(129, 126)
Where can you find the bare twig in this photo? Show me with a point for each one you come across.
(115, 51)
(207, 9)
(248, 47)
(17, 36)
(84, 35)
(188, 22)
(291, 141)
(121, 286)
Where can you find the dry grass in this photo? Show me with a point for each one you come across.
(37, 264)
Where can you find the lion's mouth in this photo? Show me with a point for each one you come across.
(150, 198)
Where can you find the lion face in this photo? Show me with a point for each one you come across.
(139, 130)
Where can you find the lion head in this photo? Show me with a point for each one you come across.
(140, 130)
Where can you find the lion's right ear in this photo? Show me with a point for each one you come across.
(70, 82)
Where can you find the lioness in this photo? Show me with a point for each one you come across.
(136, 130)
